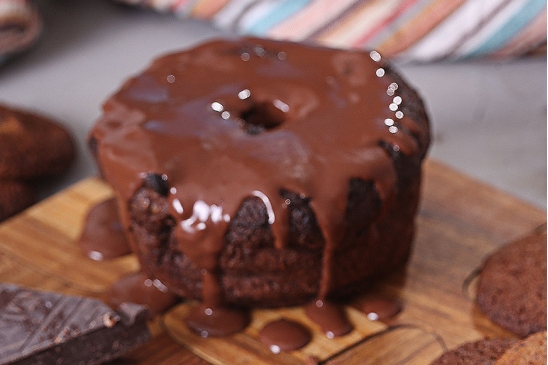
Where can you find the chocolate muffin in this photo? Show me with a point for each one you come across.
(265, 173)
(512, 286)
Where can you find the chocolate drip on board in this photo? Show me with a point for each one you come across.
(139, 288)
(217, 321)
(103, 237)
(330, 317)
(284, 335)
(380, 308)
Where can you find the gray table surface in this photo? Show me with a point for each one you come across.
(488, 117)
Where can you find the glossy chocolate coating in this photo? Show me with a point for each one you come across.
(330, 317)
(284, 335)
(138, 288)
(381, 308)
(103, 237)
(216, 320)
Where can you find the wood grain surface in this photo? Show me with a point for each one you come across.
(461, 221)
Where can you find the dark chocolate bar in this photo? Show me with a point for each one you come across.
(50, 328)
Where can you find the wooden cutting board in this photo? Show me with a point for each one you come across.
(460, 222)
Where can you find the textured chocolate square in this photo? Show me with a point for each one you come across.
(44, 327)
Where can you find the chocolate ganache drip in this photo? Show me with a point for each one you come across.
(230, 120)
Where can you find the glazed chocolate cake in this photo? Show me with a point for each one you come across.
(265, 173)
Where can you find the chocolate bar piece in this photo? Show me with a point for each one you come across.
(50, 328)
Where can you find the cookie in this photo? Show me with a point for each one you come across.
(529, 351)
(481, 352)
(512, 286)
(32, 146)
(14, 197)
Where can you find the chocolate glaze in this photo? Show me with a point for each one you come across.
(284, 335)
(330, 317)
(138, 288)
(230, 120)
(217, 321)
(103, 237)
(380, 308)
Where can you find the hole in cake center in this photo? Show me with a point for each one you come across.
(157, 182)
(264, 115)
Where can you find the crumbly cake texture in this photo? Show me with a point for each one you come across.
(265, 173)
(482, 352)
(32, 147)
(512, 286)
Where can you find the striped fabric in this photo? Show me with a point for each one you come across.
(414, 30)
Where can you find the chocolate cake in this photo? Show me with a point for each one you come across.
(255, 172)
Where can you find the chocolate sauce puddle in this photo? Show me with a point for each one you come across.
(217, 321)
(138, 288)
(284, 335)
(103, 237)
(381, 308)
(330, 317)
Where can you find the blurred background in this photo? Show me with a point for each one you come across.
(488, 116)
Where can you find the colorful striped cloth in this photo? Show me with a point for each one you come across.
(415, 30)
